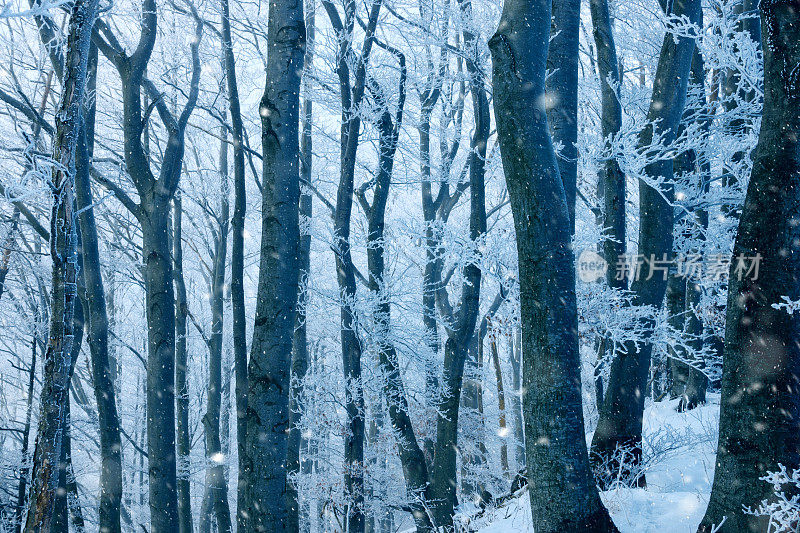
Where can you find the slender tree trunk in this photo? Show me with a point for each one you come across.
(300, 341)
(237, 261)
(182, 431)
(270, 358)
(473, 455)
(612, 180)
(98, 326)
(688, 383)
(62, 505)
(63, 235)
(216, 480)
(351, 95)
(24, 470)
(6, 253)
(515, 356)
(562, 93)
(562, 492)
(620, 424)
(759, 414)
(462, 329)
(501, 400)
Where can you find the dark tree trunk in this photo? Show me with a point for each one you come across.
(687, 382)
(411, 453)
(63, 240)
(7, 245)
(620, 424)
(501, 400)
(66, 493)
(237, 260)
(24, 469)
(562, 93)
(759, 418)
(461, 323)
(93, 295)
(216, 480)
(271, 351)
(155, 193)
(562, 492)
(182, 430)
(351, 95)
(612, 180)
(515, 356)
(300, 341)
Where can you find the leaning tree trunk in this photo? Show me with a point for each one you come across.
(562, 490)
(687, 382)
(620, 424)
(759, 417)
(271, 352)
(98, 326)
(562, 93)
(63, 240)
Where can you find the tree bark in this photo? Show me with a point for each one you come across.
(268, 373)
(300, 341)
(620, 424)
(63, 240)
(612, 180)
(562, 490)
(759, 417)
(183, 437)
(562, 93)
(153, 213)
(93, 295)
(351, 95)
(216, 480)
(461, 323)
(687, 382)
(237, 260)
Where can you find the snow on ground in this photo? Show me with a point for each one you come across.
(679, 450)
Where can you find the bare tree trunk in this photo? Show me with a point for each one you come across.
(300, 341)
(759, 417)
(153, 213)
(562, 93)
(182, 432)
(93, 295)
(351, 95)
(620, 424)
(269, 380)
(237, 261)
(612, 180)
(562, 492)
(515, 356)
(25, 470)
(501, 400)
(62, 505)
(63, 235)
(7, 244)
(461, 323)
(688, 383)
(216, 480)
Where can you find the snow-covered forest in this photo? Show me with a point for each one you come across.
(377, 266)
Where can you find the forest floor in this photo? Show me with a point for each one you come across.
(679, 457)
